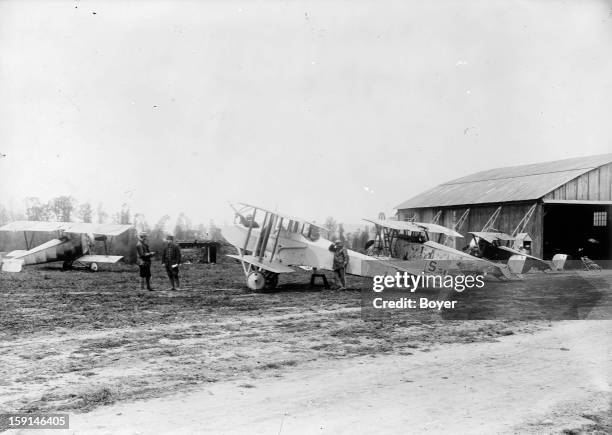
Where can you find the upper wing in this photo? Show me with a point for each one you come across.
(435, 228)
(397, 225)
(33, 226)
(98, 229)
(285, 216)
(68, 227)
(415, 227)
(492, 236)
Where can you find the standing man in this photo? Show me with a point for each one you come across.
(341, 260)
(143, 258)
(171, 258)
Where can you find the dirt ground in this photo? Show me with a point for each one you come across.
(75, 341)
(547, 382)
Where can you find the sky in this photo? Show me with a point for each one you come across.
(315, 108)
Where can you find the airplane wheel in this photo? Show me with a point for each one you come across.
(67, 265)
(271, 280)
(256, 280)
(93, 267)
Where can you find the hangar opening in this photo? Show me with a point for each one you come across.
(577, 228)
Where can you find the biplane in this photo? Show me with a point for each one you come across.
(271, 243)
(410, 243)
(496, 246)
(74, 244)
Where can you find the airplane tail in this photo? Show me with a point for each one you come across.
(516, 264)
(12, 265)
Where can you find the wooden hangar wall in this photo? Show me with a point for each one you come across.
(595, 185)
(511, 215)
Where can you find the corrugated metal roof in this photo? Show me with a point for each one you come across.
(515, 183)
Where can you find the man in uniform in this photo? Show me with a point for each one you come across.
(171, 258)
(143, 259)
(341, 260)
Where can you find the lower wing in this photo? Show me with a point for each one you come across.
(271, 267)
(99, 258)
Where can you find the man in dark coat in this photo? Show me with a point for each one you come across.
(171, 258)
(143, 259)
(341, 260)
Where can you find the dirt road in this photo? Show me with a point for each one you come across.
(542, 383)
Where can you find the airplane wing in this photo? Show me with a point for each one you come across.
(397, 225)
(33, 226)
(16, 253)
(285, 216)
(514, 251)
(416, 227)
(435, 228)
(503, 269)
(456, 252)
(68, 227)
(272, 267)
(491, 236)
(97, 229)
(99, 258)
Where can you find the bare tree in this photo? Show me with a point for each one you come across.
(365, 237)
(214, 233)
(4, 215)
(37, 211)
(341, 232)
(124, 215)
(183, 229)
(140, 223)
(85, 212)
(332, 226)
(62, 208)
(102, 215)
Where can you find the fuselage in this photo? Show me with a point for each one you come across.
(433, 257)
(65, 248)
(294, 249)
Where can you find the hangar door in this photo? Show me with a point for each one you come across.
(572, 227)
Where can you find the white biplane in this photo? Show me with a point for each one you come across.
(74, 245)
(512, 249)
(270, 243)
(408, 244)
(495, 245)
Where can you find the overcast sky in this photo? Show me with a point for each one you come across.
(341, 108)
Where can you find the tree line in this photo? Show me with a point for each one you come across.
(67, 209)
(355, 240)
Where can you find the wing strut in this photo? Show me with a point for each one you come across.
(492, 219)
(520, 228)
(436, 218)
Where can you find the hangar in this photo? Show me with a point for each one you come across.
(566, 205)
